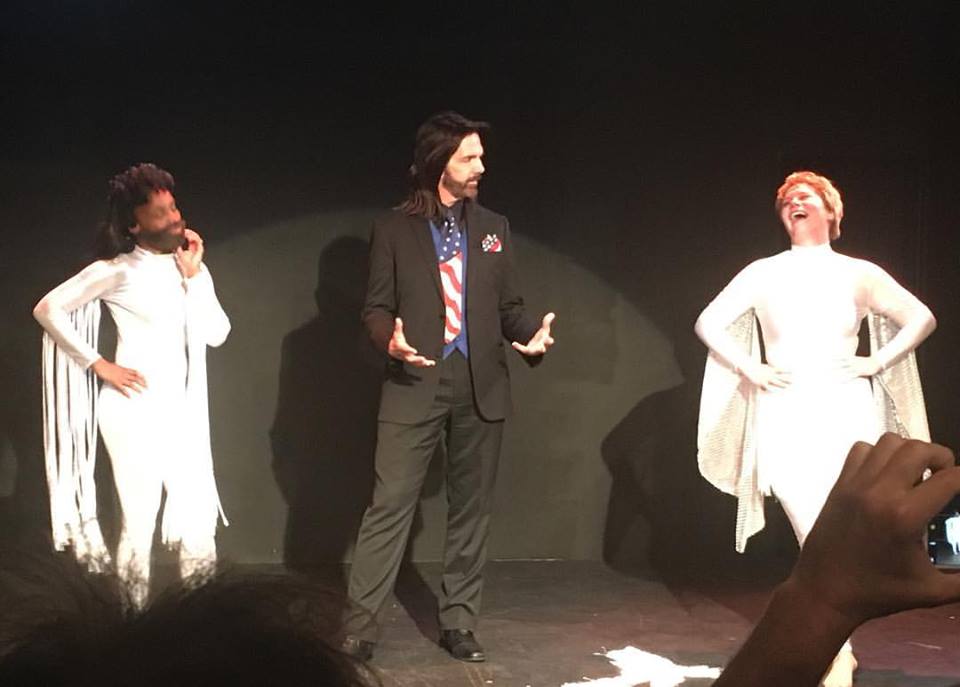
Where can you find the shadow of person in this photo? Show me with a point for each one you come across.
(663, 516)
(664, 519)
(324, 431)
(654, 497)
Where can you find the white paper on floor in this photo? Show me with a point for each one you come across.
(638, 667)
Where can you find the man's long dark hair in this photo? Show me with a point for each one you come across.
(437, 140)
(128, 190)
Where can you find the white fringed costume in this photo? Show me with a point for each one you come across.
(810, 302)
(158, 439)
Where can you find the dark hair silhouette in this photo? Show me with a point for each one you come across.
(60, 627)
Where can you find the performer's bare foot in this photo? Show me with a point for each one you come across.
(841, 670)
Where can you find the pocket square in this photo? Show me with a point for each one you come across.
(491, 244)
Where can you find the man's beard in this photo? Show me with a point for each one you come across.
(165, 240)
(463, 189)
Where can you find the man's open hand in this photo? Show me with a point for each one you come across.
(399, 348)
(541, 341)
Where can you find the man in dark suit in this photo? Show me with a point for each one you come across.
(441, 299)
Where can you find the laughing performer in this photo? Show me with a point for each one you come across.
(152, 404)
(783, 426)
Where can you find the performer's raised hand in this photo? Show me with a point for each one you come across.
(189, 258)
(124, 379)
(766, 377)
(399, 348)
(539, 342)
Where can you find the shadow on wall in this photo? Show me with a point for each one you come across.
(553, 487)
(663, 513)
(324, 428)
(296, 476)
(317, 442)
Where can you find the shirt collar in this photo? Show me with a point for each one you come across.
(455, 211)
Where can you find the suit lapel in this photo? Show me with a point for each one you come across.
(475, 228)
(424, 239)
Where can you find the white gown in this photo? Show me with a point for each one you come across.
(810, 303)
(158, 440)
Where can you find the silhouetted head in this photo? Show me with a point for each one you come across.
(62, 627)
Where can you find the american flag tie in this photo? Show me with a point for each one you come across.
(451, 277)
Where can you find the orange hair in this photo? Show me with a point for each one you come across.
(824, 188)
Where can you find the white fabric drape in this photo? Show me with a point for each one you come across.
(810, 303)
(164, 324)
(70, 443)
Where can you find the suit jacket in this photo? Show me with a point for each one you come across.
(405, 282)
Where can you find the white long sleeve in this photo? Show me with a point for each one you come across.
(152, 305)
(887, 297)
(741, 294)
(53, 310)
(205, 308)
(810, 303)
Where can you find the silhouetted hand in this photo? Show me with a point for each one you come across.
(866, 556)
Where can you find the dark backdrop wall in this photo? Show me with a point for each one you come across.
(636, 153)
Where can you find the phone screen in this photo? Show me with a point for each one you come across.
(943, 540)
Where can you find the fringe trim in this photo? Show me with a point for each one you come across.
(70, 444)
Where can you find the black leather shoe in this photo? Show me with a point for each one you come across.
(462, 645)
(360, 649)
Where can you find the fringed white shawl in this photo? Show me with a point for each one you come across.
(70, 443)
(71, 318)
(726, 448)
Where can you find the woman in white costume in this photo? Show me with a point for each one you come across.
(152, 407)
(785, 425)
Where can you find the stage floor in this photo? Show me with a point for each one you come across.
(548, 622)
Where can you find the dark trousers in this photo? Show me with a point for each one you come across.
(402, 459)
